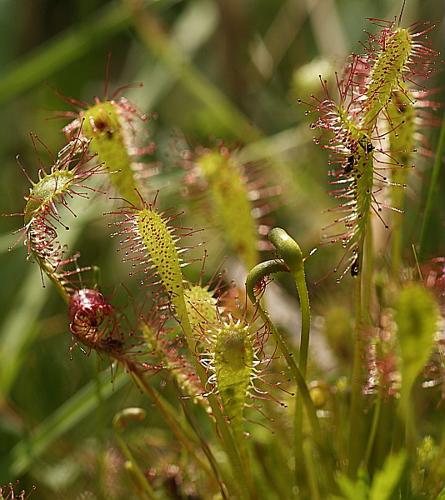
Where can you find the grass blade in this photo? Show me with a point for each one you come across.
(61, 421)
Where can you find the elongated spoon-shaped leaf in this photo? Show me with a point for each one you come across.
(416, 316)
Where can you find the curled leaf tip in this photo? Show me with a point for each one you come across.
(122, 418)
(257, 275)
(287, 248)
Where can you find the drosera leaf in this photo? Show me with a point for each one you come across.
(104, 124)
(152, 244)
(161, 249)
(393, 53)
(201, 307)
(111, 127)
(17, 331)
(402, 124)
(416, 316)
(42, 218)
(231, 207)
(233, 360)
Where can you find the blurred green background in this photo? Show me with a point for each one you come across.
(226, 70)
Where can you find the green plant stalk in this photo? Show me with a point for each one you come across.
(205, 447)
(373, 431)
(300, 283)
(296, 374)
(432, 190)
(384, 441)
(402, 143)
(310, 470)
(368, 274)
(49, 271)
(141, 480)
(398, 197)
(410, 430)
(171, 420)
(305, 396)
(290, 252)
(362, 319)
(405, 432)
(396, 246)
(357, 373)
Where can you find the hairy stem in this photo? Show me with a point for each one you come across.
(357, 373)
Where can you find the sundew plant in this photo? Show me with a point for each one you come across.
(227, 279)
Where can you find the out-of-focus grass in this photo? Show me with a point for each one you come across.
(69, 46)
(71, 413)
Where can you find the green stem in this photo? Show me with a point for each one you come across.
(310, 470)
(296, 373)
(290, 252)
(396, 247)
(367, 275)
(373, 431)
(357, 374)
(171, 419)
(303, 295)
(304, 392)
(133, 414)
(406, 420)
(205, 447)
(398, 196)
(300, 283)
(51, 273)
